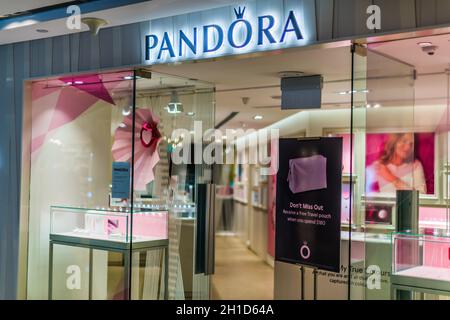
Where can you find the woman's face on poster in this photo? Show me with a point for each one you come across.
(405, 147)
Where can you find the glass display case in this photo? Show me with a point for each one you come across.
(112, 226)
(97, 234)
(420, 263)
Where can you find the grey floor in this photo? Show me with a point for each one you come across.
(240, 274)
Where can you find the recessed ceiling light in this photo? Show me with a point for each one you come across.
(191, 113)
(69, 83)
(42, 30)
(20, 24)
(377, 105)
(424, 44)
(368, 106)
(78, 82)
(126, 111)
(128, 77)
(258, 117)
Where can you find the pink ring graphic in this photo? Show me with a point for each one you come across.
(146, 127)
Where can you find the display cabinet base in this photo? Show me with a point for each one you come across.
(126, 248)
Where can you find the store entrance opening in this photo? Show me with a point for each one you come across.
(388, 102)
(248, 98)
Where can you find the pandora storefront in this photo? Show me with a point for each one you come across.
(97, 208)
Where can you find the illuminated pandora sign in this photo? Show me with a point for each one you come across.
(243, 34)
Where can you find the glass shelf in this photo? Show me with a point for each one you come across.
(113, 210)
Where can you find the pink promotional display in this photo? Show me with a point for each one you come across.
(147, 138)
(80, 149)
(61, 101)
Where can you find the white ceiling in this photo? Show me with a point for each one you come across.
(143, 11)
(432, 85)
(409, 52)
(11, 7)
(257, 79)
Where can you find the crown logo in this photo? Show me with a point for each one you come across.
(239, 12)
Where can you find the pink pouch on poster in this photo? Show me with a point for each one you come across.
(307, 174)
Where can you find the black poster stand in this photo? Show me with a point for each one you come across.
(308, 204)
(302, 273)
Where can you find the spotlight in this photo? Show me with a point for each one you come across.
(174, 106)
(428, 47)
(126, 111)
(94, 24)
(424, 44)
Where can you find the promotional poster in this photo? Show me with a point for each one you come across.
(400, 161)
(308, 203)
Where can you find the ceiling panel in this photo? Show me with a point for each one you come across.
(410, 52)
(258, 79)
(143, 11)
(11, 7)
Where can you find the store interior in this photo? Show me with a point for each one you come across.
(399, 87)
(248, 97)
(400, 94)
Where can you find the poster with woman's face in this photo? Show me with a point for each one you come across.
(399, 161)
